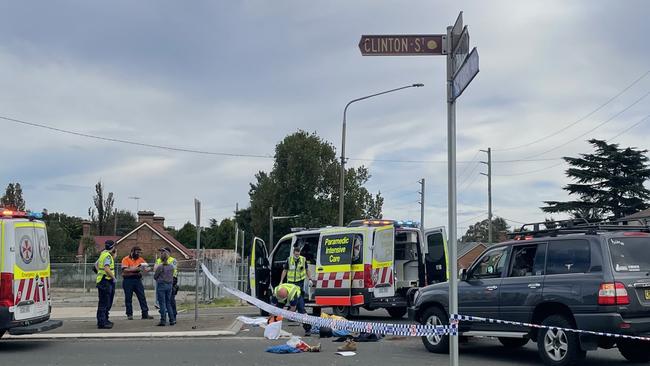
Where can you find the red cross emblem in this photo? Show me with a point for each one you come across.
(26, 251)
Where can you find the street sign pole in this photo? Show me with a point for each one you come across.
(451, 191)
(197, 209)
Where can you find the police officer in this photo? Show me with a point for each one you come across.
(171, 260)
(105, 267)
(295, 270)
(290, 295)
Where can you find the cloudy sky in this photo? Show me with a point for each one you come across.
(237, 76)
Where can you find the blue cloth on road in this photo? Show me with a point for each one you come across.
(283, 348)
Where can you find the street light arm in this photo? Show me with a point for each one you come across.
(381, 93)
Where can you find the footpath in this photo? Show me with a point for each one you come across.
(77, 310)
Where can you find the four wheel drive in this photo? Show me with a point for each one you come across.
(25, 304)
(590, 277)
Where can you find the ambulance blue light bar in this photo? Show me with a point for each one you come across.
(396, 223)
(15, 213)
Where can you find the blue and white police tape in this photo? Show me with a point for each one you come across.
(413, 330)
(469, 318)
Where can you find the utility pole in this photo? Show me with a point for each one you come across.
(421, 205)
(115, 223)
(270, 245)
(489, 177)
(197, 208)
(234, 269)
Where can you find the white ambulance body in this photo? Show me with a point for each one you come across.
(370, 263)
(25, 304)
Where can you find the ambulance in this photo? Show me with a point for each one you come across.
(25, 303)
(369, 264)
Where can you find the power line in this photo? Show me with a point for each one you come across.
(629, 128)
(530, 171)
(473, 218)
(593, 129)
(580, 119)
(129, 142)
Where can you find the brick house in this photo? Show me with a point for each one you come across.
(468, 252)
(150, 235)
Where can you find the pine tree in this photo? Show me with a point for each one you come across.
(13, 197)
(608, 183)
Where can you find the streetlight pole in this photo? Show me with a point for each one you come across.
(271, 219)
(345, 110)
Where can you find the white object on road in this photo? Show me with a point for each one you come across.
(252, 321)
(346, 353)
(273, 330)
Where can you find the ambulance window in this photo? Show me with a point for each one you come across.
(336, 249)
(282, 252)
(310, 248)
(357, 249)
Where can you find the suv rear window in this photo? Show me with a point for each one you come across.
(630, 254)
(568, 256)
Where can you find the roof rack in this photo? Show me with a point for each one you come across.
(573, 226)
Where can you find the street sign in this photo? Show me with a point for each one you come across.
(465, 74)
(460, 50)
(402, 45)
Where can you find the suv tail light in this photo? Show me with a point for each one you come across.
(6, 289)
(613, 294)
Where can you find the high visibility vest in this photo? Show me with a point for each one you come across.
(100, 265)
(293, 292)
(297, 270)
(172, 261)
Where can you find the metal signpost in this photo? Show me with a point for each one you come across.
(462, 67)
(197, 209)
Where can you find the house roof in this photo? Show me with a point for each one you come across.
(464, 248)
(99, 243)
(639, 215)
(165, 236)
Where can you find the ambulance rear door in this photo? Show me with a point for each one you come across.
(259, 273)
(383, 259)
(31, 269)
(334, 267)
(435, 258)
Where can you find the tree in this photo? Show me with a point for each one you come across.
(305, 181)
(101, 213)
(479, 231)
(126, 222)
(63, 235)
(608, 183)
(13, 197)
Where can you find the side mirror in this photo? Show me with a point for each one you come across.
(462, 274)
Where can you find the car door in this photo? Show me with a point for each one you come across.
(435, 258)
(334, 267)
(259, 272)
(383, 260)
(478, 294)
(522, 287)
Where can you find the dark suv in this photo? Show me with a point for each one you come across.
(590, 277)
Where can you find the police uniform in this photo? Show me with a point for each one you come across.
(105, 286)
(296, 271)
(294, 298)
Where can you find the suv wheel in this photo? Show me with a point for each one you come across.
(513, 342)
(435, 343)
(633, 350)
(557, 347)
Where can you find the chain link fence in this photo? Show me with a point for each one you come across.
(80, 276)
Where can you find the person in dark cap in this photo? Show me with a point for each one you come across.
(164, 276)
(133, 266)
(105, 268)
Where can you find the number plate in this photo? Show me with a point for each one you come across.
(24, 309)
(647, 294)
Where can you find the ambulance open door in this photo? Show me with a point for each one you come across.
(259, 273)
(383, 261)
(435, 258)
